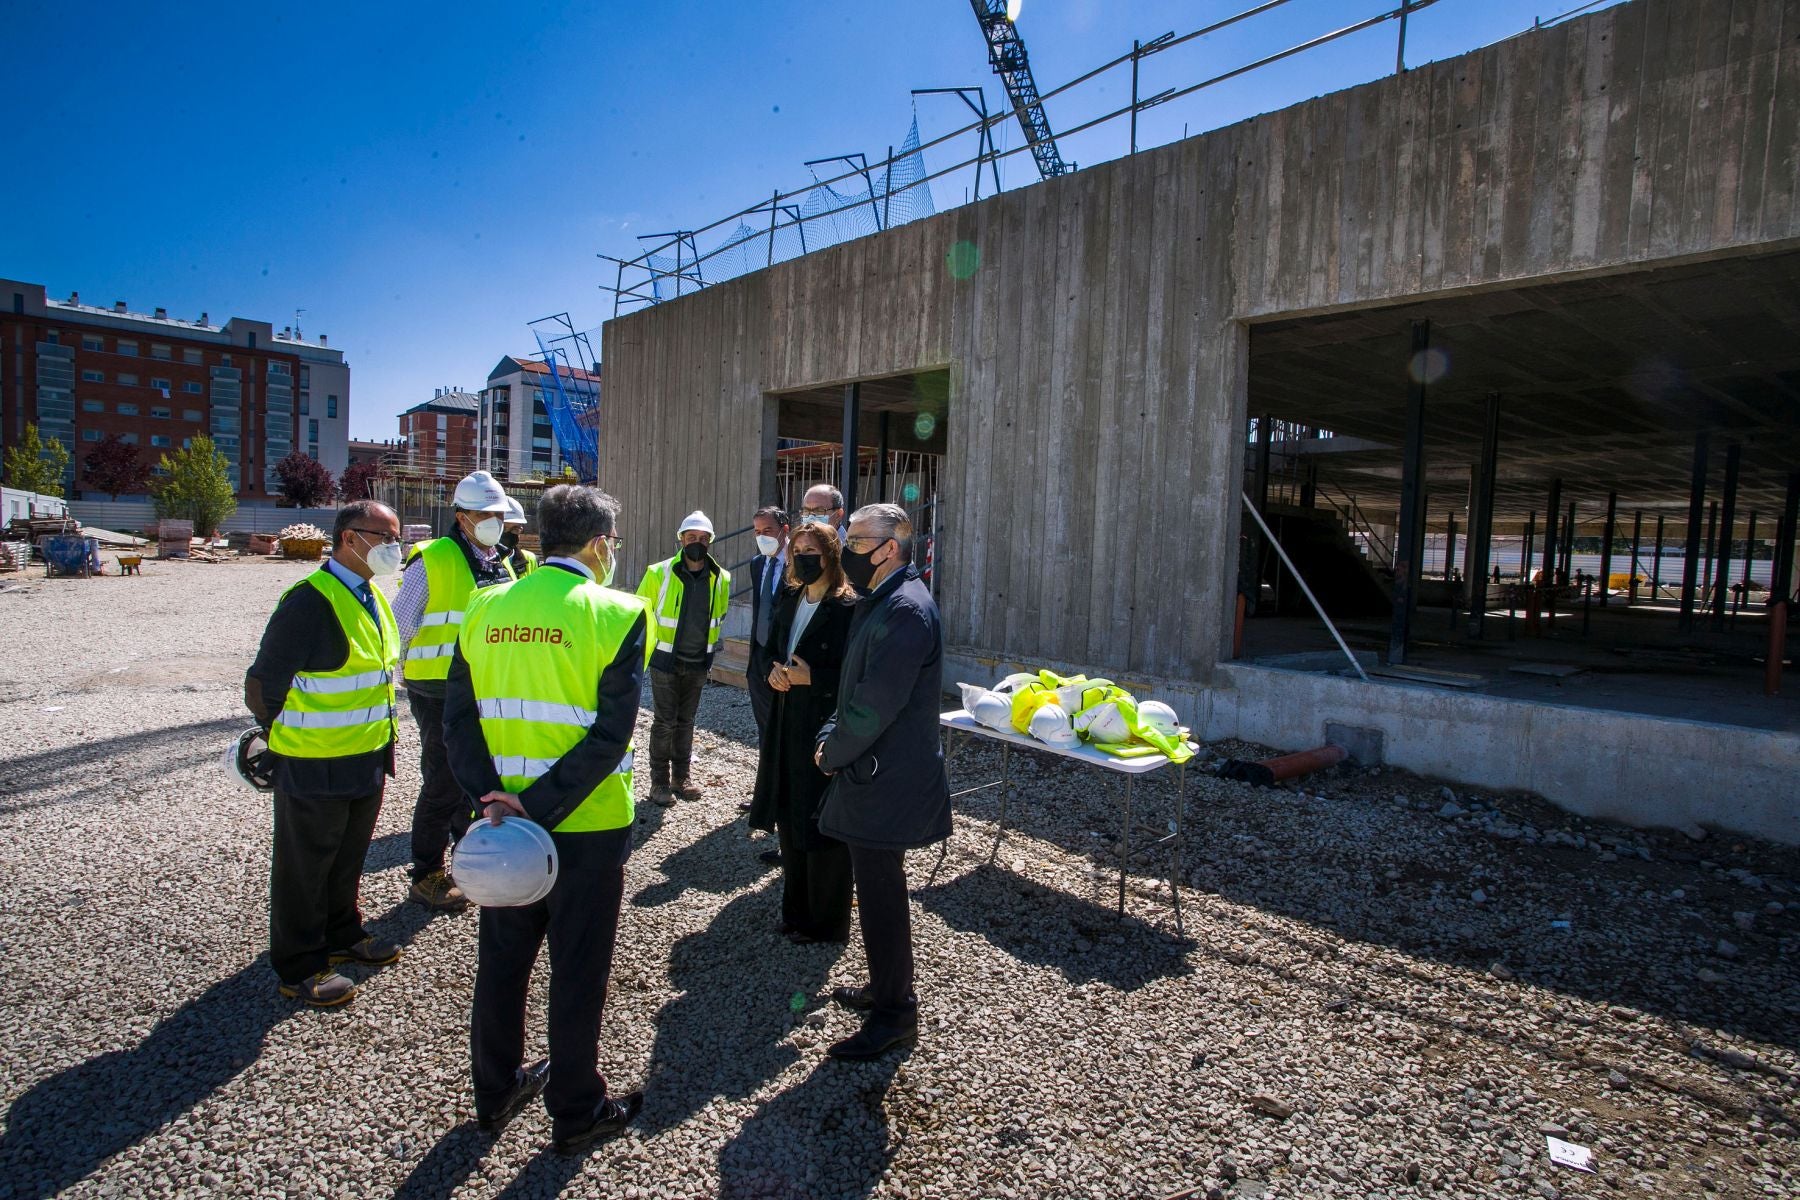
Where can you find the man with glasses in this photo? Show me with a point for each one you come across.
(322, 686)
(824, 505)
(889, 791)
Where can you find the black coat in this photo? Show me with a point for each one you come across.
(788, 784)
(890, 790)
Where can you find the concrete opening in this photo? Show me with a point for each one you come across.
(1628, 442)
(899, 424)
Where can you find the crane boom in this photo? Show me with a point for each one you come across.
(1006, 51)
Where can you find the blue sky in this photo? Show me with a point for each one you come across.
(424, 179)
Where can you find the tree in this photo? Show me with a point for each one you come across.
(113, 467)
(358, 481)
(195, 486)
(35, 465)
(305, 481)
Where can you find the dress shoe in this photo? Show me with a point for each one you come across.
(875, 1039)
(772, 857)
(613, 1115)
(857, 999)
(743, 806)
(527, 1083)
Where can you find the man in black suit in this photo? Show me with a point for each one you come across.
(771, 527)
(889, 791)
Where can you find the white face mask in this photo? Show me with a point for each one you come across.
(488, 532)
(606, 576)
(768, 545)
(384, 559)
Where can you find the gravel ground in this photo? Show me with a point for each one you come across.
(1375, 995)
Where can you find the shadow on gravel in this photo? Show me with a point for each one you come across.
(1040, 925)
(826, 1137)
(721, 862)
(70, 773)
(69, 1124)
(725, 1034)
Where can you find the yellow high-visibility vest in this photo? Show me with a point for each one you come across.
(662, 589)
(334, 714)
(449, 583)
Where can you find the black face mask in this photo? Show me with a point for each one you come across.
(858, 569)
(510, 539)
(808, 568)
(694, 552)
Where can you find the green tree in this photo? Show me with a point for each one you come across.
(195, 485)
(35, 465)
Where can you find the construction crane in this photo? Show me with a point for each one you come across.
(1006, 51)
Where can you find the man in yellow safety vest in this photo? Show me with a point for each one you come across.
(441, 577)
(322, 686)
(688, 596)
(541, 703)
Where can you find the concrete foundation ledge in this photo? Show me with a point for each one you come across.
(1625, 767)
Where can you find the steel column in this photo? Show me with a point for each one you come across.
(1412, 471)
(1567, 569)
(1727, 520)
(1781, 570)
(1530, 547)
(852, 445)
(881, 457)
(1552, 548)
(1690, 559)
(1749, 550)
(1656, 560)
(1481, 517)
(1606, 544)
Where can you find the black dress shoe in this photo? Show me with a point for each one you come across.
(854, 998)
(772, 857)
(526, 1085)
(613, 1115)
(874, 1040)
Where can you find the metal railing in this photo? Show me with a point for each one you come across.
(639, 277)
(1358, 525)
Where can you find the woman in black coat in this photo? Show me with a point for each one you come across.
(818, 600)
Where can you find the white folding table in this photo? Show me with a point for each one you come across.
(960, 722)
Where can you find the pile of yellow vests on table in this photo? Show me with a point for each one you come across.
(1063, 711)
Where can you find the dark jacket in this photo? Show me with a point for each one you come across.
(889, 790)
(760, 565)
(583, 767)
(788, 784)
(304, 635)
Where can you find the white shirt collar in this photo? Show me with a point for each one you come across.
(574, 564)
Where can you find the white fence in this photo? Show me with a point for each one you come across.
(130, 516)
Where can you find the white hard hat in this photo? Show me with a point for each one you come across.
(480, 492)
(989, 708)
(1103, 724)
(248, 760)
(1158, 718)
(696, 520)
(505, 865)
(515, 512)
(1050, 725)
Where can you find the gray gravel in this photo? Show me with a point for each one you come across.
(1373, 998)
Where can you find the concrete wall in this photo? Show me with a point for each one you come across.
(1618, 766)
(1098, 354)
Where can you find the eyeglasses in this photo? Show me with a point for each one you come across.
(387, 538)
(613, 540)
(851, 541)
(817, 513)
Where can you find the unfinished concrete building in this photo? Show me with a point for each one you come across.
(1558, 271)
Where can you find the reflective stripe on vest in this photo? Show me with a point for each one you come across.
(536, 650)
(335, 714)
(448, 585)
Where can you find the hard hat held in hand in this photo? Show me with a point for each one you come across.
(480, 492)
(505, 865)
(249, 761)
(1050, 725)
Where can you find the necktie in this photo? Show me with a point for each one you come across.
(765, 612)
(368, 602)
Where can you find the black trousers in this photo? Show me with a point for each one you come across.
(580, 920)
(886, 917)
(756, 682)
(676, 698)
(815, 887)
(317, 863)
(441, 814)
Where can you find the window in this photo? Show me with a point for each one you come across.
(127, 348)
(187, 443)
(158, 350)
(331, 407)
(160, 439)
(190, 355)
(305, 406)
(93, 377)
(130, 439)
(443, 423)
(193, 389)
(161, 385)
(127, 379)
(89, 342)
(305, 376)
(53, 337)
(252, 341)
(128, 410)
(161, 414)
(90, 435)
(278, 368)
(92, 406)
(312, 431)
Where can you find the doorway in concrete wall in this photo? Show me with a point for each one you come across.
(1577, 491)
(899, 427)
